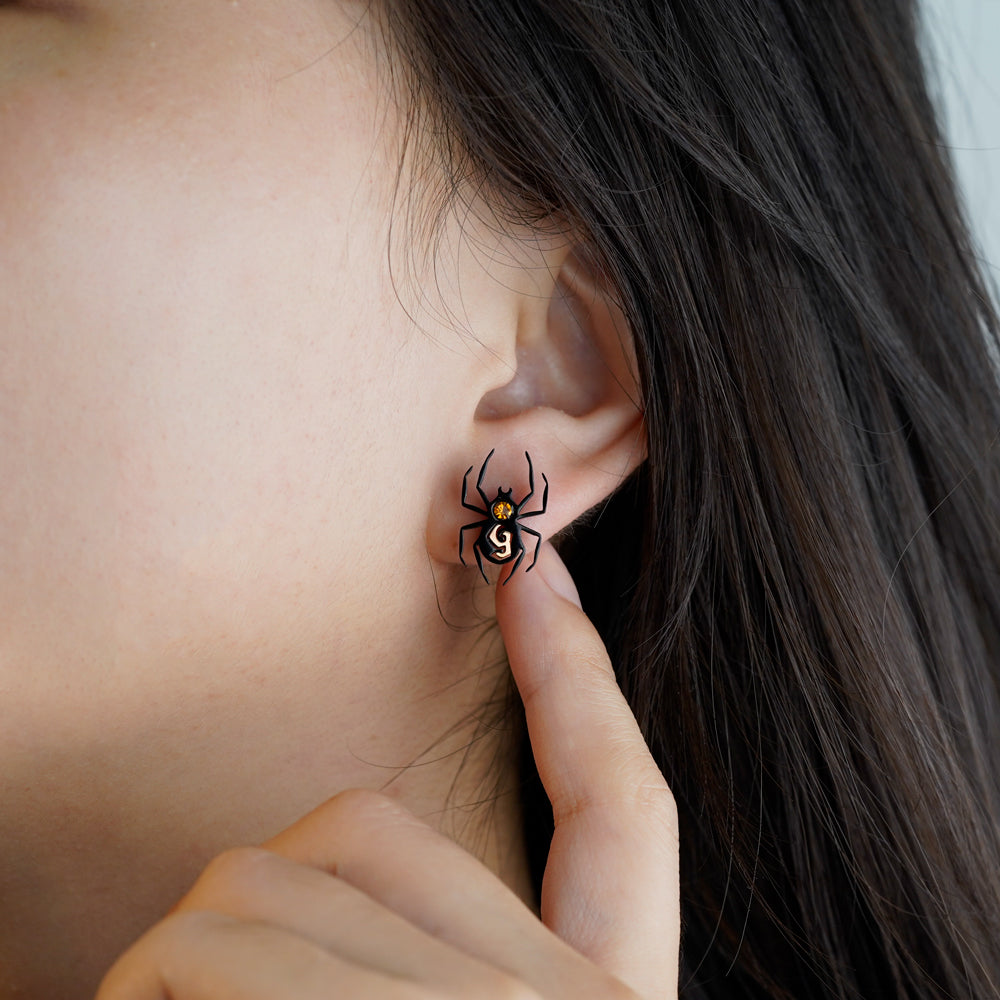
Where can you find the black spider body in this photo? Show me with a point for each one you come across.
(499, 540)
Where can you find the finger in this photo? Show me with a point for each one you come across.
(206, 956)
(378, 846)
(254, 884)
(611, 886)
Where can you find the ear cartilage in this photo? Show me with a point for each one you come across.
(499, 540)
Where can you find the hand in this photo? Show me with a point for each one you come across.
(362, 899)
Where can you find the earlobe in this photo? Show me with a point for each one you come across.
(572, 403)
(501, 535)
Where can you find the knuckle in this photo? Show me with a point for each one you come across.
(635, 802)
(177, 932)
(653, 795)
(654, 802)
(593, 657)
(634, 779)
(236, 864)
(232, 876)
(362, 807)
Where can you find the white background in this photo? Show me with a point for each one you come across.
(963, 39)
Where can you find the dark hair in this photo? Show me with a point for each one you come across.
(800, 589)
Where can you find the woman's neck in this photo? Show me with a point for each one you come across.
(108, 819)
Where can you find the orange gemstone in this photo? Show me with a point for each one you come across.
(502, 510)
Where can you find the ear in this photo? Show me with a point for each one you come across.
(573, 403)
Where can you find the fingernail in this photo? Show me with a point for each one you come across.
(555, 574)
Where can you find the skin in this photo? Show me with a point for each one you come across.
(235, 411)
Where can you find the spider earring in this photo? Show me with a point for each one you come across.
(499, 539)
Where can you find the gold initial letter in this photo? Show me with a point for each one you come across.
(504, 548)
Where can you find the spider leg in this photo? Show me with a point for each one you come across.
(545, 503)
(538, 544)
(461, 537)
(479, 484)
(520, 556)
(479, 559)
(531, 482)
(465, 501)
